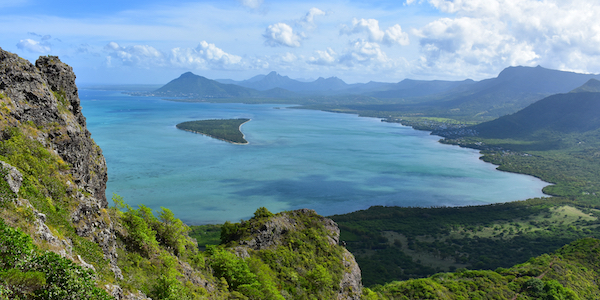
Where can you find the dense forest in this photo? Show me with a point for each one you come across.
(226, 130)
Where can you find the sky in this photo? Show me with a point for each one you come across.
(155, 41)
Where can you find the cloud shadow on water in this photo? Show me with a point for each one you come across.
(333, 196)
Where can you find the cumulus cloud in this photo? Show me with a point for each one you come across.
(203, 56)
(359, 54)
(206, 55)
(392, 35)
(34, 46)
(363, 52)
(395, 35)
(491, 34)
(324, 58)
(308, 20)
(281, 34)
(137, 55)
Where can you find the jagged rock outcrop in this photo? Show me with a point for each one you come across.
(45, 96)
(13, 177)
(272, 233)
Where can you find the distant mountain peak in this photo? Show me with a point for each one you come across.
(592, 85)
(188, 74)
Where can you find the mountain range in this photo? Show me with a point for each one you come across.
(513, 89)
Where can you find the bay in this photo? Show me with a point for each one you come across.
(332, 163)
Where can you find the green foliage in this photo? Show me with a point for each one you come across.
(15, 246)
(152, 252)
(229, 232)
(262, 212)
(63, 103)
(172, 233)
(26, 273)
(144, 232)
(23, 283)
(303, 265)
(234, 269)
(226, 130)
(570, 273)
(169, 288)
(419, 242)
(206, 234)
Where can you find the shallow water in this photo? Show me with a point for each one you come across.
(333, 163)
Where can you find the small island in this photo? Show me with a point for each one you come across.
(226, 130)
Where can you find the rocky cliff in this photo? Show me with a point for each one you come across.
(42, 102)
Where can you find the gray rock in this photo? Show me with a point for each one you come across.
(271, 234)
(46, 96)
(351, 284)
(13, 177)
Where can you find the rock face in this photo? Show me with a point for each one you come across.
(45, 95)
(272, 234)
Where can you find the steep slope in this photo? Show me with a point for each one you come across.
(592, 85)
(513, 89)
(569, 273)
(561, 113)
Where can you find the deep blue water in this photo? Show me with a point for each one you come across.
(333, 163)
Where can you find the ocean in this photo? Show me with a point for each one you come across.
(332, 163)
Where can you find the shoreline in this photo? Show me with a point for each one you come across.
(407, 124)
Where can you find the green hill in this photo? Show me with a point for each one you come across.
(592, 85)
(561, 113)
(569, 273)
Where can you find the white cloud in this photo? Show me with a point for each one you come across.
(324, 58)
(392, 35)
(364, 53)
(253, 4)
(309, 19)
(395, 35)
(489, 35)
(204, 56)
(281, 34)
(34, 46)
(143, 56)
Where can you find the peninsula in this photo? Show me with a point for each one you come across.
(226, 130)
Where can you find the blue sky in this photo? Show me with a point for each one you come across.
(154, 41)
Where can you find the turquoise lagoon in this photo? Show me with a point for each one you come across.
(332, 163)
